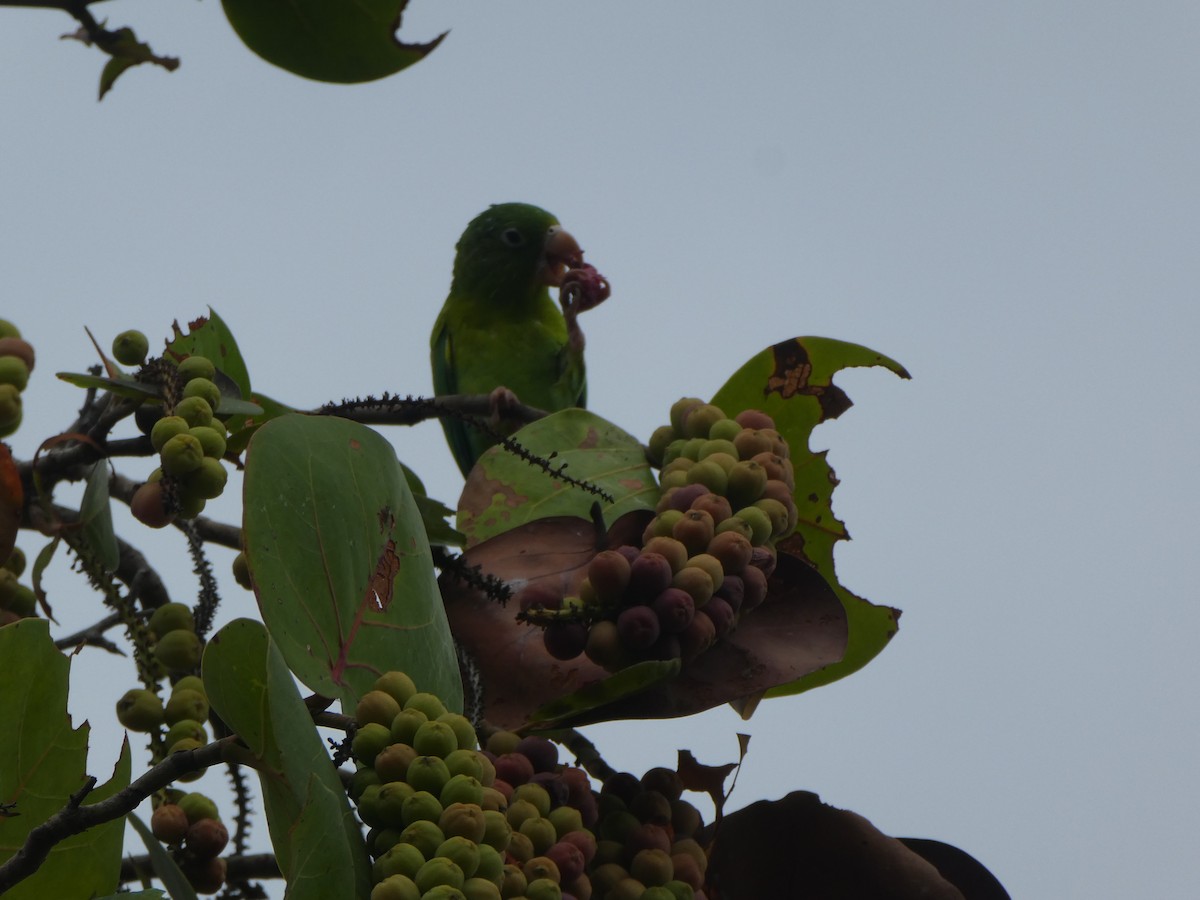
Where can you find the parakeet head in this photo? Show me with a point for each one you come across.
(512, 250)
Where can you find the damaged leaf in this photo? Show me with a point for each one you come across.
(339, 42)
(504, 491)
(793, 383)
(339, 560)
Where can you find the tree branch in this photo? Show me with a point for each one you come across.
(75, 817)
(239, 868)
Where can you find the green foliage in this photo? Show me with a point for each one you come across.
(340, 560)
(45, 762)
(315, 836)
(793, 382)
(505, 491)
(340, 42)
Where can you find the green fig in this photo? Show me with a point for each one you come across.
(140, 710)
(130, 348)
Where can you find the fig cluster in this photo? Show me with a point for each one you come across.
(190, 440)
(16, 362)
(192, 828)
(646, 845)
(450, 821)
(17, 600)
(705, 557)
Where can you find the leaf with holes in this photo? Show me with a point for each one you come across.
(504, 491)
(340, 562)
(339, 42)
(251, 688)
(45, 762)
(210, 337)
(793, 383)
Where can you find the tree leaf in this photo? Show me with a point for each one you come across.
(251, 688)
(209, 336)
(340, 42)
(45, 762)
(958, 867)
(340, 562)
(242, 426)
(504, 491)
(121, 387)
(799, 629)
(95, 517)
(165, 868)
(818, 851)
(793, 382)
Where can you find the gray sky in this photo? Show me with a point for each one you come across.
(1003, 197)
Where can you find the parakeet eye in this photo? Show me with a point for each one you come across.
(512, 237)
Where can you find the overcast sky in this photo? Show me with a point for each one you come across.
(1003, 197)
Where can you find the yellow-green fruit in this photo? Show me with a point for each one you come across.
(674, 450)
(514, 881)
(171, 617)
(464, 731)
(186, 704)
(747, 481)
(189, 683)
(377, 707)
(424, 835)
(179, 651)
(398, 684)
(462, 852)
(186, 728)
(190, 504)
(437, 872)
(211, 441)
(711, 565)
(497, 832)
(181, 454)
(140, 710)
(701, 419)
(369, 741)
(724, 430)
(435, 738)
(401, 858)
(696, 582)
(14, 371)
(501, 742)
(405, 724)
(129, 348)
(16, 561)
(166, 428)
(396, 887)
(180, 747)
(10, 409)
(205, 390)
(196, 367)
(426, 703)
(207, 481)
(22, 602)
(656, 450)
(241, 571)
(461, 789)
(778, 514)
(481, 889)
(392, 762)
(710, 474)
(197, 806)
(196, 410)
(543, 889)
(760, 524)
(8, 329)
(652, 867)
(428, 773)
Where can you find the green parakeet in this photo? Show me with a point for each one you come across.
(499, 327)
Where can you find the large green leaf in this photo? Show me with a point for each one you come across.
(793, 382)
(504, 491)
(316, 838)
(340, 562)
(44, 763)
(340, 42)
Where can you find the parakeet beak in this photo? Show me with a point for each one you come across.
(559, 253)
